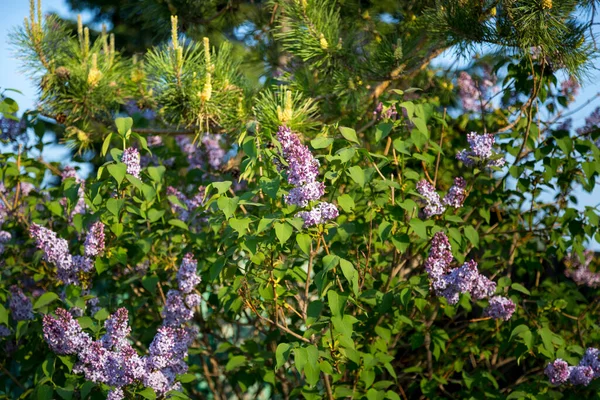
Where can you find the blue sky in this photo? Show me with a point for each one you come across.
(13, 12)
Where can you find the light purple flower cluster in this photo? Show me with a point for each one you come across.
(20, 305)
(456, 194)
(191, 204)
(319, 214)
(480, 151)
(94, 241)
(570, 88)
(12, 129)
(5, 237)
(131, 158)
(63, 334)
(389, 113)
(451, 282)
(500, 308)
(302, 172)
(468, 92)
(180, 304)
(580, 272)
(4, 331)
(433, 204)
(194, 157)
(214, 152)
(132, 107)
(56, 251)
(559, 372)
(80, 206)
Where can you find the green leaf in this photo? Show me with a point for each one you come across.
(117, 171)
(419, 227)
(304, 240)
(350, 274)
(101, 315)
(357, 174)
(3, 315)
(337, 302)
(48, 366)
(179, 223)
(147, 393)
(156, 173)
(45, 299)
(221, 187)
(235, 362)
(150, 282)
(227, 205)
(281, 354)
(85, 389)
(283, 231)
(45, 392)
(321, 142)
(349, 134)
(383, 129)
(520, 288)
(346, 202)
(106, 144)
(114, 206)
(519, 331)
(312, 369)
(240, 225)
(472, 235)
(124, 126)
(155, 215)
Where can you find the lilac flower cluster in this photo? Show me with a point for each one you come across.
(131, 158)
(480, 151)
(56, 251)
(559, 372)
(180, 304)
(580, 272)
(20, 306)
(319, 214)
(94, 241)
(570, 88)
(11, 129)
(80, 207)
(456, 194)
(592, 123)
(5, 237)
(389, 113)
(132, 107)
(451, 282)
(214, 152)
(434, 205)
(190, 204)
(302, 172)
(468, 92)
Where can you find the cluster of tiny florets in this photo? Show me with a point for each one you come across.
(559, 372)
(180, 304)
(131, 158)
(214, 152)
(382, 112)
(20, 306)
(433, 203)
(79, 207)
(190, 204)
(302, 172)
(451, 282)
(56, 251)
(456, 194)
(480, 151)
(580, 272)
(94, 241)
(5, 237)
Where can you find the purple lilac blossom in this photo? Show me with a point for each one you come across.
(131, 158)
(187, 277)
(20, 305)
(500, 308)
(440, 257)
(4, 331)
(56, 251)
(570, 88)
(480, 151)
(117, 330)
(302, 195)
(5, 237)
(592, 123)
(557, 371)
(303, 168)
(80, 206)
(194, 157)
(433, 205)
(579, 270)
(456, 194)
(581, 375)
(590, 359)
(94, 241)
(319, 214)
(468, 92)
(115, 394)
(63, 334)
(11, 128)
(26, 188)
(389, 112)
(214, 152)
(192, 204)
